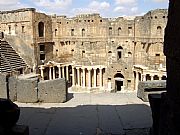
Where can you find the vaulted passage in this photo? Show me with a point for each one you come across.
(119, 78)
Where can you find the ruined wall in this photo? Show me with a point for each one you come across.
(30, 90)
(3, 86)
(149, 33)
(21, 29)
(18, 27)
(114, 42)
(52, 91)
(27, 90)
(89, 39)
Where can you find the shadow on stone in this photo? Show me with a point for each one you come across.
(129, 119)
(69, 96)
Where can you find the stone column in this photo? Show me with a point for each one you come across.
(59, 69)
(50, 73)
(67, 73)
(100, 78)
(151, 77)
(143, 77)
(63, 74)
(54, 75)
(95, 76)
(42, 72)
(78, 76)
(84, 78)
(73, 76)
(89, 77)
(137, 80)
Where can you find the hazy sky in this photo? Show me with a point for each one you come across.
(107, 8)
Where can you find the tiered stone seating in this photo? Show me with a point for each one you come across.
(9, 59)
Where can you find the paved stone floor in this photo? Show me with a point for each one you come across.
(89, 114)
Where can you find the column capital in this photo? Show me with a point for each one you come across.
(89, 68)
(59, 65)
(42, 67)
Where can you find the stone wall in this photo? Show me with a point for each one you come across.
(52, 91)
(12, 88)
(88, 40)
(156, 86)
(30, 90)
(27, 90)
(3, 86)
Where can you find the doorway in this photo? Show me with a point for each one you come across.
(119, 78)
(118, 85)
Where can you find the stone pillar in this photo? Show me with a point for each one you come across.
(73, 76)
(109, 85)
(143, 77)
(151, 77)
(59, 69)
(84, 78)
(42, 72)
(67, 73)
(89, 77)
(54, 74)
(78, 76)
(95, 78)
(137, 81)
(63, 74)
(50, 73)
(100, 78)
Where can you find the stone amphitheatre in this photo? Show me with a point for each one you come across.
(90, 52)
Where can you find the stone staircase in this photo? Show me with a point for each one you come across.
(9, 59)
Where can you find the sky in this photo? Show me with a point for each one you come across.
(70, 8)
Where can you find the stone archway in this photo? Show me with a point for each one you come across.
(119, 82)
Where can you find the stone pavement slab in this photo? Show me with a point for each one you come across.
(87, 114)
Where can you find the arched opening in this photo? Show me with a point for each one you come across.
(164, 77)
(119, 78)
(119, 31)
(41, 29)
(55, 32)
(83, 54)
(83, 32)
(110, 31)
(130, 31)
(129, 54)
(148, 77)
(109, 53)
(119, 52)
(159, 30)
(15, 28)
(72, 32)
(155, 77)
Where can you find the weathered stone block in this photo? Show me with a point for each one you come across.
(52, 91)
(12, 88)
(27, 90)
(150, 87)
(3, 86)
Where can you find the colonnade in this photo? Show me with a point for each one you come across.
(80, 76)
(138, 76)
(52, 72)
(87, 77)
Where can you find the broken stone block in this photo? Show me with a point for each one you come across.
(150, 87)
(52, 91)
(3, 86)
(12, 88)
(27, 90)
